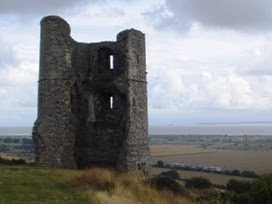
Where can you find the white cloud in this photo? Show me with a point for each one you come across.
(243, 15)
(219, 92)
(7, 54)
(209, 70)
(39, 8)
(18, 82)
(202, 75)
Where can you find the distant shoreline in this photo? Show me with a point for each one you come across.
(238, 123)
(161, 135)
(16, 135)
(214, 135)
(219, 129)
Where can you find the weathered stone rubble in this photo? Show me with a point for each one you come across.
(91, 111)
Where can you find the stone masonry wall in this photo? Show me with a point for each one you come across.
(54, 130)
(90, 111)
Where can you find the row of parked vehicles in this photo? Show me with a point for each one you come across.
(195, 167)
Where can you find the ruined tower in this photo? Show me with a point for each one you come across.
(92, 101)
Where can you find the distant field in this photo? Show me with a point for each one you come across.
(214, 178)
(258, 161)
(169, 149)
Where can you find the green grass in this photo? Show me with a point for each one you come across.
(32, 185)
(35, 185)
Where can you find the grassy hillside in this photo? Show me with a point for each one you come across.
(34, 185)
(19, 184)
(41, 185)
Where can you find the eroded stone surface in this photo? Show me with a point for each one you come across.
(91, 111)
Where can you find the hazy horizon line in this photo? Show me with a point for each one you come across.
(185, 124)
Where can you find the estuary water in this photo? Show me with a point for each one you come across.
(220, 129)
(13, 131)
(204, 129)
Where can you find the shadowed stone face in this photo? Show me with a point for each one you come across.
(92, 105)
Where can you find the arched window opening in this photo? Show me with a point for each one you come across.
(105, 59)
(111, 62)
(111, 102)
(106, 100)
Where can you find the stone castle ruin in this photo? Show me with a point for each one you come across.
(92, 103)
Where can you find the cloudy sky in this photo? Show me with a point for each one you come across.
(208, 61)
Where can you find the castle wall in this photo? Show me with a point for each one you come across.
(101, 129)
(54, 130)
(91, 111)
(132, 47)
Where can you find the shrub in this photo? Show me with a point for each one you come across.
(232, 197)
(160, 164)
(3, 161)
(238, 186)
(18, 162)
(227, 172)
(198, 182)
(207, 196)
(251, 174)
(171, 174)
(261, 189)
(235, 172)
(165, 183)
(13, 161)
(167, 166)
(238, 191)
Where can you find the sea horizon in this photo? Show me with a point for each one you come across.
(195, 129)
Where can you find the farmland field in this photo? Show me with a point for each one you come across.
(258, 161)
(168, 150)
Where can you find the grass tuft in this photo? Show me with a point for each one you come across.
(109, 187)
(96, 179)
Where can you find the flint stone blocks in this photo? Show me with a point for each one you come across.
(92, 103)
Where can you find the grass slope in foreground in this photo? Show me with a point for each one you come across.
(99, 186)
(34, 185)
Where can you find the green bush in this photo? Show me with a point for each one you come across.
(261, 189)
(171, 174)
(13, 161)
(257, 192)
(236, 172)
(167, 166)
(18, 162)
(238, 191)
(238, 186)
(251, 174)
(198, 182)
(160, 164)
(165, 183)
